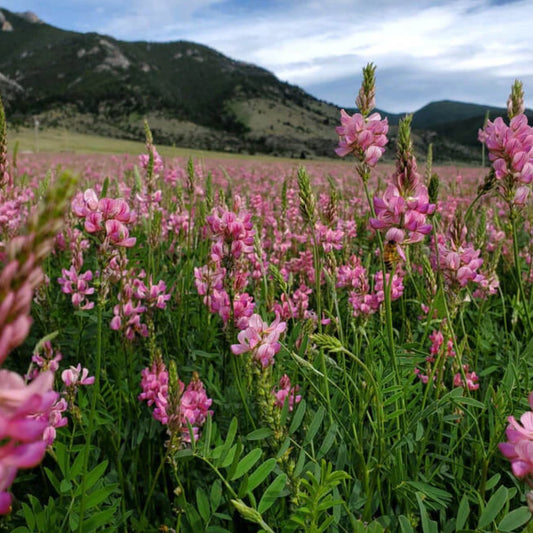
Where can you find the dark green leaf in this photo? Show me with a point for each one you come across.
(315, 425)
(405, 525)
(298, 417)
(272, 493)
(493, 507)
(246, 463)
(462, 513)
(515, 519)
(260, 474)
(259, 434)
(202, 503)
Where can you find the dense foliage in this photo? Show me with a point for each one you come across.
(258, 347)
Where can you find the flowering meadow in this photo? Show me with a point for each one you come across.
(244, 346)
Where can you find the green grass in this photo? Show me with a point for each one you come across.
(61, 140)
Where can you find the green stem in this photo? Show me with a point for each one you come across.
(238, 381)
(152, 486)
(522, 294)
(96, 392)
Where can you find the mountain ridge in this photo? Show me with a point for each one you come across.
(192, 96)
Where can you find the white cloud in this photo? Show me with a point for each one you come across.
(313, 43)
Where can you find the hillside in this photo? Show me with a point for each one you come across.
(192, 96)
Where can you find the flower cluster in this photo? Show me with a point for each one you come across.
(26, 407)
(519, 446)
(362, 298)
(175, 407)
(135, 298)
(460, 262)
(24, 413)
(228, 269)
(510, 148)
(403, 209)
(106, 217)
(286, 392)
(233, 234)
(77, 285)
(365, 137)
(260, 339)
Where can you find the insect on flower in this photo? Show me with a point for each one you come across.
(391, 255)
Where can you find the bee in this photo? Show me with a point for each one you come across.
(390, 254)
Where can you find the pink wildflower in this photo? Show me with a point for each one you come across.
(365, 137)
(75, 376)
(260, 339)
(471, 379)
(519, 448)
(286, 390)
(77, 285)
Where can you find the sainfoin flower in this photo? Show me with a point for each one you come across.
(519, 446)
(24, 413)
(510, 148)
(106, 216)
(260, 339)
(75, 375)
(180, 408)
(365, 137)
(286, 390)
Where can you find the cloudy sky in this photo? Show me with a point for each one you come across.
(466, 50)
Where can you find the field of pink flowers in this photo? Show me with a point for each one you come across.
(234, 346)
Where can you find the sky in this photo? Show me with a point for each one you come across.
(424, 51)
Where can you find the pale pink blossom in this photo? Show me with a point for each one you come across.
(286, 390)
(260, 339)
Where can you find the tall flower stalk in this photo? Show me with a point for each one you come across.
(511, 153)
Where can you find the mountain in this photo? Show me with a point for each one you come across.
(192, 96)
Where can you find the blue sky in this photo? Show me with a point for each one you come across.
(466, 50)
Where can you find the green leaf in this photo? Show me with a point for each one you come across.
(229, 457)
(300, 463)
(216, 494)
(283, 448)
(492, 482)
(99, 519)
(515, 519)
(260, 474)
(428, 526)
(246, 463)
(433, 494)
(328, 441)
(462, 513)
(405, 525)
(232, 431)
(259, 434)
(493, 507)
(272, 493)
(29, 516)
(53, 479)
(206, 435)
(315, 425)
(285, 411)
(202, 502)
(65, 486)
(93, 476)
(298, 417)
(98, 496)
(73, 521)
